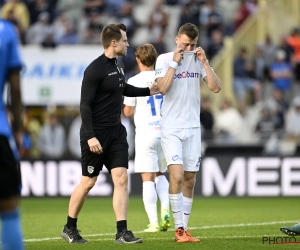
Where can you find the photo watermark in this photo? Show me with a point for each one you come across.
(280, 240)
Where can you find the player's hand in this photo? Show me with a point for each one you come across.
(95, 146)
(153, 88)
(199, 52)
(178, 55)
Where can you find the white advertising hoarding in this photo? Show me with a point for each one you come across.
(254, 176)
(54, 76)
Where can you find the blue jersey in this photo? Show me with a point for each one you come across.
(9, 60)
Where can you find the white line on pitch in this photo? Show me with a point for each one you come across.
(202, 237)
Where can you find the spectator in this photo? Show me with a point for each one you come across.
(228, 123)
(278, 106)
(252, 6)
(187, 16)
(34, 129)
(74, 138)
(289, 51)
(126, 16)
(281, 72)
(15, 21)
(259, 64)
(40, 6)
(228, 7)
(206, 119)
(269, 50)
(242, 81)
(241, 14)
(160, 45)
(266, 125)
(71, 8)
(20, 11)
(113, 6)
(158, 22)
(38, 32)
(292, 128)
(69, 36)
(52, 139)
(94, 5)
(49, 42)
(216, 44)
(214, 19)
(294, 42)
(90, 28)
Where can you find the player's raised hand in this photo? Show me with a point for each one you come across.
(200, 53)
(178, 55)
(95, 146)
(153, 88)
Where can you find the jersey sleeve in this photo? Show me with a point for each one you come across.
(88, 91)
(130, 101)
(14, 59)
(161, 67)
(202, 70)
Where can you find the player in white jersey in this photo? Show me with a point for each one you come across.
(149, 157)
(178, 76)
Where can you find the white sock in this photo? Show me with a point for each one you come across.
(150, 199)
(162, 187)
(176, 201)
(187, 208)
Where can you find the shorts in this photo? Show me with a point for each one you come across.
(149, 156)
(10, 174)
(115, 151)
(182, 146)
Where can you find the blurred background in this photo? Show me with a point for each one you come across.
(250, 130)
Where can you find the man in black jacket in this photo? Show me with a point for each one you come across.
(102, 136)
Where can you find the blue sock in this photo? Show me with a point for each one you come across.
(12, 237)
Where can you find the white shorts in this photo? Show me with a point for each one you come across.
(149, 156)
(182, 146)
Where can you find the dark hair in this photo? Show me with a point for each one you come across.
(112, 32)
(147, 54)
(189, 29)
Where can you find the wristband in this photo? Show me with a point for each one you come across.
(173, 64)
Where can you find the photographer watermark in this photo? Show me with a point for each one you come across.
(280, 240)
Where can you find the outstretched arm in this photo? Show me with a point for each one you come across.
(132, 91)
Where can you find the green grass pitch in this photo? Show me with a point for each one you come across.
(220, 223)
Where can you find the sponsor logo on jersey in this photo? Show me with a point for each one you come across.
(90, 169)
(187, 75)
(112, 73)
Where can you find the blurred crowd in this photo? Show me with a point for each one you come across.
(266, 83)
(49, 23)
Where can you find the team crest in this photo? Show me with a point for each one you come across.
(90, 169)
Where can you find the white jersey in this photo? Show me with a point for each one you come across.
(181, 106)
(147, 109)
